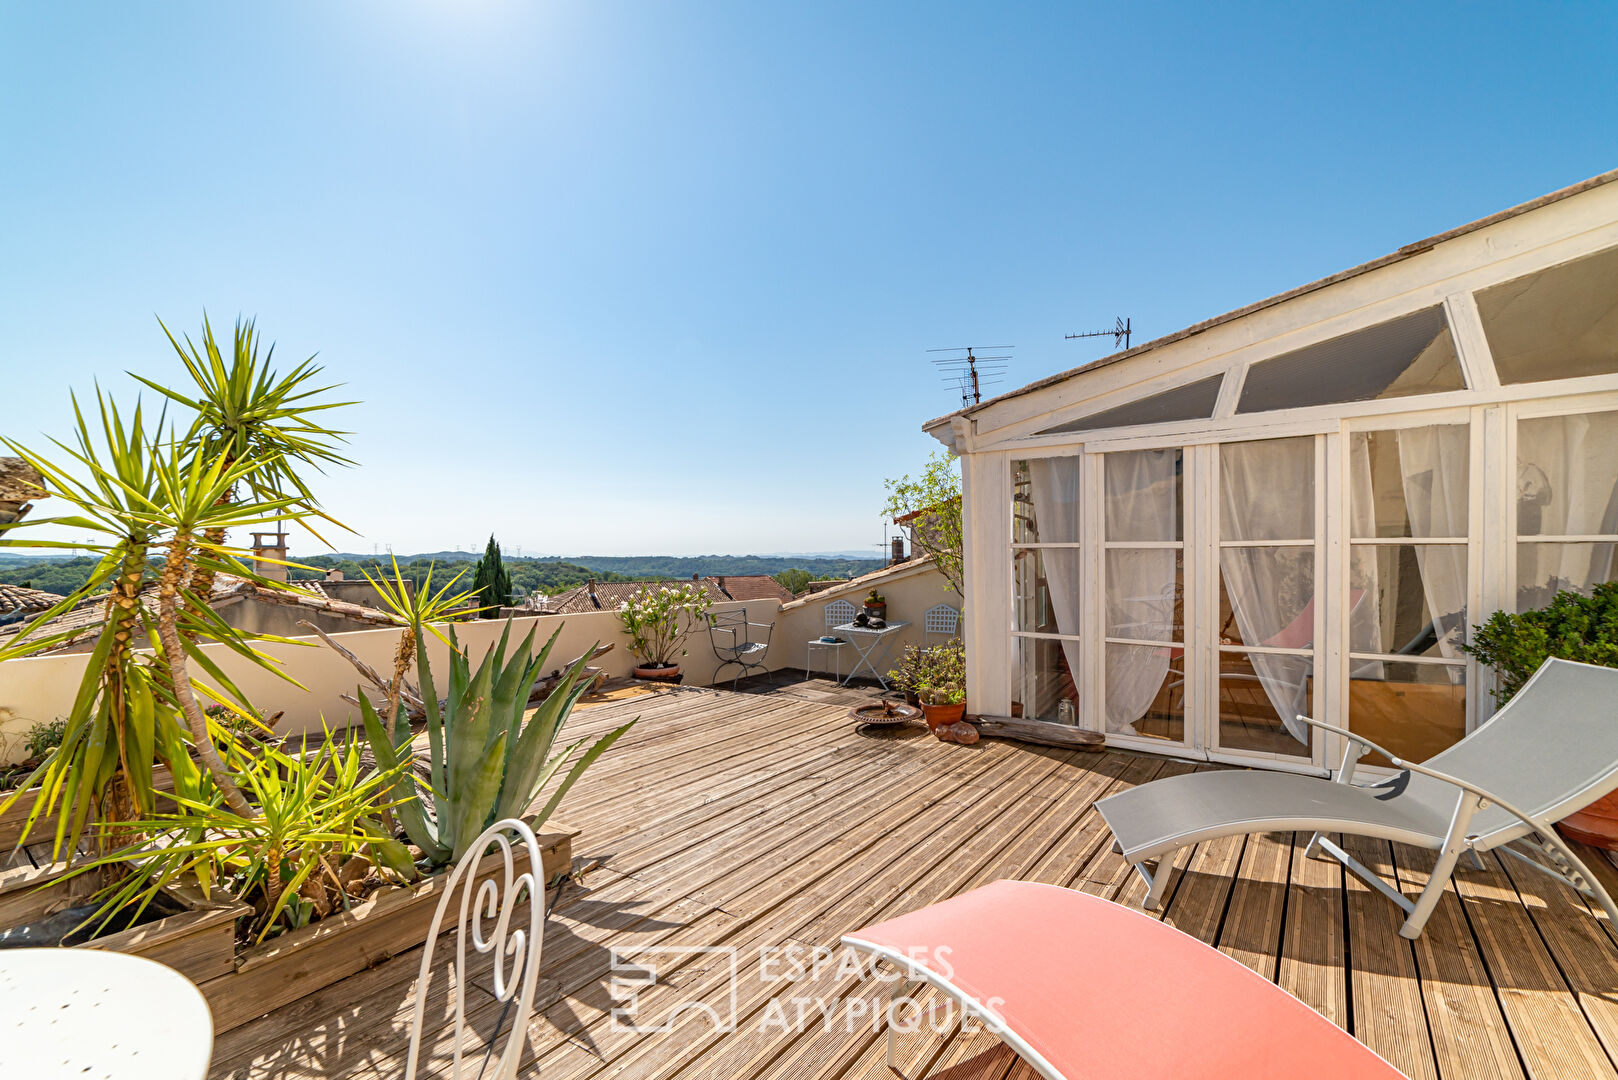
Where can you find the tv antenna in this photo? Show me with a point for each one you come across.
(1119, 333)
(983, 365)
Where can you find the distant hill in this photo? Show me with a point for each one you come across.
(528, 575)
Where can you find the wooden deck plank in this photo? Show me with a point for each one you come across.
(1470, 1036)
(1389, 1014)
(1313, 948)
(1553, 1037)
(1253, 919)
(1583, 951)
(761, 818)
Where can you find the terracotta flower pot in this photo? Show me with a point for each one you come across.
(877, 611)
(942, 714)
(666, 673)
(1596, 824)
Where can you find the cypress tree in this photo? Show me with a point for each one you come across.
(491, 581)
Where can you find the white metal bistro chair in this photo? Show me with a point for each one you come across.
(838, 612)
(498, 895)
(941, 621)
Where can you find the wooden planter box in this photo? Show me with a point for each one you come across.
(393, 921)
(200, 942)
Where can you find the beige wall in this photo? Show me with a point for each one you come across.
(42, 688)
(910, 589)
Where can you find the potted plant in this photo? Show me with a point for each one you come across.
(907, 676)
(941, 684)
(876, 605)
(1571, 627)
(658, 620)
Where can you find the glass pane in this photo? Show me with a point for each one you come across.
(1047, 581)
(1045, 501)
(1411, 482)
(1408, 599)
(1268, 490)
(1556, 324)
(1409, 355)
(1193, 401)
(1145, 594)
(1146, 691)
(1267, 597)
(1143, 495)
(1415, 710)
(1567, 475)
(1543, 570)
(1047, 687)
(1255, 693)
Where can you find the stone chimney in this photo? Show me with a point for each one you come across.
(898, 550)
(268, 546)
(334, 574)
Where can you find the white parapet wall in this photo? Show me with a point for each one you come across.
(911, 588)
(42, 688)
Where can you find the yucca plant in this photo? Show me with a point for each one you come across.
(312, 815)
(484, 763)
(244, 409)
(413, 610)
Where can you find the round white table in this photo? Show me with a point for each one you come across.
(91, 1014)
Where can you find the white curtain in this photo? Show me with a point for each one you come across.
(1142, 503)
(1433, 464)
(1567, 485)
(1054, 484)
(1268, 494)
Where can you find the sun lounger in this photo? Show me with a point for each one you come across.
(1551, 750)
(1081, 987)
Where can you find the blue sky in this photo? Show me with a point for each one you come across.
(661, 277)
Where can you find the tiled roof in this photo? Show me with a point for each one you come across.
(752, 587)
(17, 600)
(84, 618)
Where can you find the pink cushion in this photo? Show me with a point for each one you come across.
(1099, 990)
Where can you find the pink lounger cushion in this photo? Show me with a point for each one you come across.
(1098, 990)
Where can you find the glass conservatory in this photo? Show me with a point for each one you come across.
(1305, 506)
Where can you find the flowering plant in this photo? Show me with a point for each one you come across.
(658, 620)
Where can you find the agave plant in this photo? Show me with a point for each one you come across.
(484, 762)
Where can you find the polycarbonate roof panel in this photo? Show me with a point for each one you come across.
(1193, 401)
(1412, 354)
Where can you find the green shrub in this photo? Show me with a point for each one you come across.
(1571, 627)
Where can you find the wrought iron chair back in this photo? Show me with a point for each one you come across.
(734, 643)
(516, 949)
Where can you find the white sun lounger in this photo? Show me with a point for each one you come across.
(1551, 750)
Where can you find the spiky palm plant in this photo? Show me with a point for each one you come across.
(244, 409)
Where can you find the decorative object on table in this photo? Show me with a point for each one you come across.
(658, 619)
(736, 641)
(863, 619)
(514, 939)
(1571, 627)
(876, 605)
(883, 713)
(876, 622)
(873, 645)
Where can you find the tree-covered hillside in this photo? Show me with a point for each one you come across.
(528, 576)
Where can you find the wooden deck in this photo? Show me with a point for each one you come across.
(763, 819)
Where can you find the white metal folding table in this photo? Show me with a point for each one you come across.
(93, 1014)
(871, 646)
